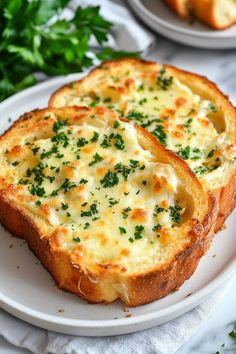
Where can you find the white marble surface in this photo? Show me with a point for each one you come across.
(219, 66)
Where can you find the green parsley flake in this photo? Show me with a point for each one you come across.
(96, 158)
(164, 82)
(138, 232)
(76, 239)
(110, 179)
(122, 230)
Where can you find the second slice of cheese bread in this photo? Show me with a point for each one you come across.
(185, 111)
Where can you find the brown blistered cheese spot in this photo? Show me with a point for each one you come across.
(101, 110)
(177, 134)
(181, 101)
(129, 82)
(111, 161)
(217, 153)
(139, 214)
(102, 222)
(88, 149)
(101, 171)
(180, 127)
(164, 238)
(68, 171)
(45, 209)
(80, 188)
(159, 183)
(56, 237)
(102, 238)
(15, 151)
(168, 113)
(205, 122)
(164, 204)
(124, 252)
(137, 152)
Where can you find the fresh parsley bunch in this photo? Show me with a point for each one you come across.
(35, 39)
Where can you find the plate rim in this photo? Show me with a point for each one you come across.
(170, 26)
(189, 302)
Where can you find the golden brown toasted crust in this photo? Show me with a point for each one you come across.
(135, 289)
(200, 85)
(180, 7)
(205, 11)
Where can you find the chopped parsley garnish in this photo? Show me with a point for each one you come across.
(81, 142)
(53, 150)
(96, 158)
(135, 115)
(210, 154)
(113, 201)
(122, 230)
(119, 142)
(37, 190)
(164, 82)
(213, 108)
(116, 124)
(107, 100)
(106, 143)
(138, 232)
(59, 125)
(64, 206)
(160, 134)
(232, 334)
(175, 213)
(156, 227)
(157, 210)
(125, 212)
(86, 225)
(95, 102)
(142, 101)
(184, 153)
(15, 163)
(134, 163)
(95, 137)
(200, 170)
(67, 185)
(124, 170)
(110, 179)
(188, 123)
(131, 240)
(37, 203)
(188, 153)
(61, 138)
(144, 183)
(35, 150)
(76, 239)
(92, 211)
(83, 181)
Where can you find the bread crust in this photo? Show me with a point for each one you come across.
(205, 11)
(135, 289)
(180, 7)
(203, 87)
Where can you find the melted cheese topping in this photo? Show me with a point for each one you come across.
(179, 118)
(105, 199)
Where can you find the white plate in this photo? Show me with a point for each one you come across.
(161, 19)
(28, 291)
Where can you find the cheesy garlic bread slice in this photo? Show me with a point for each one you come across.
(185, 111)
(105, 207)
